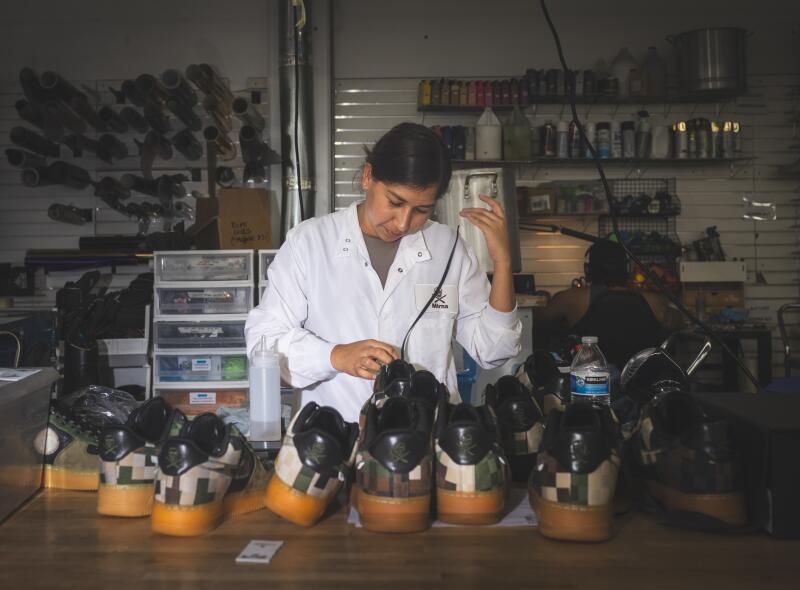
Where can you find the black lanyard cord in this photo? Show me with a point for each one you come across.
(436, 292)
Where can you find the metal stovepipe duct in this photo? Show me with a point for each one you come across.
(297, 124)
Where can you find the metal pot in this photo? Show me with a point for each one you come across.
(711, 60)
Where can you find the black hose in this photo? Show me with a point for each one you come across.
(647, 273)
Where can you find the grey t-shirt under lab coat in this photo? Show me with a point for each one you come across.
(381, 255)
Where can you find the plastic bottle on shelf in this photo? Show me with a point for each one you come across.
(265, 393)
(517, 137)
(589, 376)
(654, 74)
(621, 68)
(634, 83)
(488, 137)
(628, 139)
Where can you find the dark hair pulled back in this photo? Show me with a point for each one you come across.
(411, 155)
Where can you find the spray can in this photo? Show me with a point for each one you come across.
(575, 143)
(591, 138)
(616, 140)
(562, 140)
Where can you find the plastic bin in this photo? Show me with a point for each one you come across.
(210, 265)
(199, 334)
(203, 300)
(191, 367)
(198, 399)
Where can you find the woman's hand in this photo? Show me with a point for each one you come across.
(363, 358)
(492, 223)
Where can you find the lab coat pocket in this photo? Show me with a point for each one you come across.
(431, 340)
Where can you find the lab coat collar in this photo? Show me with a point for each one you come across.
(413, 248)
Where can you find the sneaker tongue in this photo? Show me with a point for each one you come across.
(208, 432)
(464, 413)
(397, 412)
(328, 420)
(150, 419)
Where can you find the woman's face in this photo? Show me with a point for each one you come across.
(392, 211)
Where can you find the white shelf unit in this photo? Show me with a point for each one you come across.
(265, 258)
(202, 298)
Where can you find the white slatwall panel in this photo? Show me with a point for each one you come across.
(711, 193)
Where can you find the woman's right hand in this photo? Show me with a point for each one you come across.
(363, 358)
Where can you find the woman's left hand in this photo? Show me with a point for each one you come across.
(492, 222)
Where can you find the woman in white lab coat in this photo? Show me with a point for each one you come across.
(345, 288)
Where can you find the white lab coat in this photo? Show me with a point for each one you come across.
(323, 291)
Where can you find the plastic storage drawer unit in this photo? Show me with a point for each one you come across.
(180, 300)
(199, 334)
(193, 400)
(189, 366)
(265, 258)
(210, 265)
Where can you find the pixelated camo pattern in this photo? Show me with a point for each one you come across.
(685, 469)
(490, 473)
(523, 443)
(71, 445)
(550, 401)
(373, 478)
(583, 489)
(293, 472)
(136, 468)
(202, 484)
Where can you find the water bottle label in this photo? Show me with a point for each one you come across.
(596, 384)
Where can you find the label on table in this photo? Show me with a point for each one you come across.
(259, 552)
(202, 398)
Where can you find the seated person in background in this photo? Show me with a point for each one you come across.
(625, 320)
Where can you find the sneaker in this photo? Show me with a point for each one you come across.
(688, 462)
(318, 452)
(520, 421)
(206, 475)
(572, 488)
(69, 447)
(546, 375)
(471, 473)
(394, 467)
(128, 458)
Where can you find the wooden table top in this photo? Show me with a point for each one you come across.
(58, 541)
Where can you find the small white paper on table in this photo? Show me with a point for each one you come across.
(16, 374)
(259, 552)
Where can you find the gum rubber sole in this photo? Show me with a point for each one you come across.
(393, 515)
(192, 521)
(64, 479)
(728, 508)
(571, 522)
(470, 508)
(292, 504)
(122, 500)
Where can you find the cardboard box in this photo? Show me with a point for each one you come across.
(237, 219)
(536, 201)
(765, 429)
(713, 297)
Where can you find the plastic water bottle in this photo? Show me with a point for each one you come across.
(265, 394)
(589, 376)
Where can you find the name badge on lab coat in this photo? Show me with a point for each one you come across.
(445, 301)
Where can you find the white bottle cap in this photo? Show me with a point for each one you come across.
(589, 340)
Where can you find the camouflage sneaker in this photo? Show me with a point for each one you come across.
(472, 476)
(128, 458)
(688, 462)
(68, 444)
(572, 488)
(546, 375)
(520, 421)
(400, 379)
(317, 454)
(394, 467)
(205, 475)
(69, 447)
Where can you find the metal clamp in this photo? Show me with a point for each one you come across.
(493, 176)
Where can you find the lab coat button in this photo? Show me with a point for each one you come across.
(399, 270)
(419, 254)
